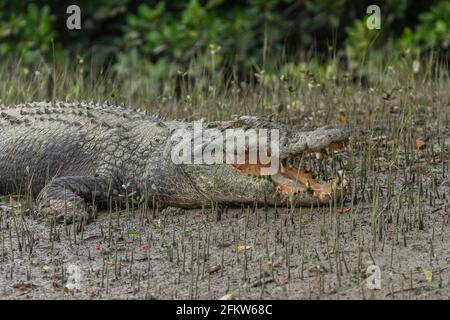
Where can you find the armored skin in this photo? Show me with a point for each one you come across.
(74, 154)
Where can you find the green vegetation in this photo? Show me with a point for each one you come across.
(168, 38)
(214, 59)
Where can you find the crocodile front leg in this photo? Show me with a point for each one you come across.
(69, 195)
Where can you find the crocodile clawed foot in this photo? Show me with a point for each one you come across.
(61, 211)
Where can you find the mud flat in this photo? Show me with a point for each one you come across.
(392, 227)
(301, 253)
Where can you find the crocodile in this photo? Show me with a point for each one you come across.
(73, 155)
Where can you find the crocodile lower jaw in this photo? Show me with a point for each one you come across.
(297, 186)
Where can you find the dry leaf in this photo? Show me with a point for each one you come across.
(228, 296)
(109, 262)
(157, 223)
(46, 269)
(428, 275)
(278, 264)
(243, 248)
(22, 286)
(214, 269)
(344, 210)
(92, 237)
(341, 118)
(91, 294)
(420, 144)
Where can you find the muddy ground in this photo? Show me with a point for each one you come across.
(400, 226)
(394, 223)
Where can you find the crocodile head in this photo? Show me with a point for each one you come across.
(280, 166)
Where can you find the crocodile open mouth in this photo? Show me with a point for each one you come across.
(301, 186)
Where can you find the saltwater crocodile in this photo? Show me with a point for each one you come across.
(75, 154)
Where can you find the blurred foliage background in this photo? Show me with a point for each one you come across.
(246, 39)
